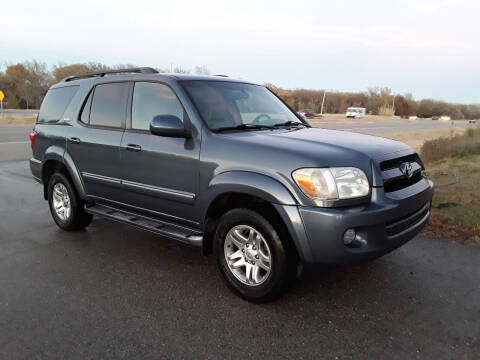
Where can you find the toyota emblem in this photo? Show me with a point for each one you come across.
(406, 169)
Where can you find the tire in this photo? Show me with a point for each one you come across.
(244, 238)
(62, 194)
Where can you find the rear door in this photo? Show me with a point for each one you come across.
(160, 173)
(94, 145)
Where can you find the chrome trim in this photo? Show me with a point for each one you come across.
(396, 173)
(196, 239)
(101, 177)
(157, 189)
(161, 190)
(35, 161)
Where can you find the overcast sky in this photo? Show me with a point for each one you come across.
(429, 48)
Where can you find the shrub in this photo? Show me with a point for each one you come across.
(458, 145)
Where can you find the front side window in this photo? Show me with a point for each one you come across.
(109, 104)
(226, 104)
(55, 103)
(150, 100)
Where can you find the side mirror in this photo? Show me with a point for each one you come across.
(168, 125)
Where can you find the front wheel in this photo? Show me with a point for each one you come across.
(66, 207)
(251, 256)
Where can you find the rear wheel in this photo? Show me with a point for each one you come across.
(251, 256)
(66, 207)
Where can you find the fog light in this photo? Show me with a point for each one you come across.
(349, 236)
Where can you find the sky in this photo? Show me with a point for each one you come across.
(429, 48)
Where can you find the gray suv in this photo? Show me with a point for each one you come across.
(227, 166)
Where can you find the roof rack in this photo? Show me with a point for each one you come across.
(141, 70)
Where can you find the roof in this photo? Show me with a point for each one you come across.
(140, 74)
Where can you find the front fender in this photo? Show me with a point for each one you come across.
(249, 183)
(266, 188)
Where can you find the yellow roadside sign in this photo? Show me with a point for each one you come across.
(2, 95)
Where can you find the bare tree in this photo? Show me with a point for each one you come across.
(202, 70)
(180, 70)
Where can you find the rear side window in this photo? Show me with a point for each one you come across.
(55, 103)
(109, 104)
(150, 100)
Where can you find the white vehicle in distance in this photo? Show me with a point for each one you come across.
(413, 117)
(356, 112)
(445, 118)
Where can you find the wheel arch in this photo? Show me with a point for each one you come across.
(56, 159)
(239, 189)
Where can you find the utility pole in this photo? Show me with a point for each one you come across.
(323, 101)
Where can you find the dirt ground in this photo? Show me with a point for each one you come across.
(17, 120)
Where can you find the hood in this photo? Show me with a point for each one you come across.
(277, 153)
(372, 146)
(322, 141)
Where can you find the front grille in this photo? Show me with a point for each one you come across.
(395, 163)
(398, 225)
(402, 183)
(393, 177)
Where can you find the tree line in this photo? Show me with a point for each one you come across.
(377, 101)
(25, 84)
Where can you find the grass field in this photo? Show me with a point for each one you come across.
(456, 204)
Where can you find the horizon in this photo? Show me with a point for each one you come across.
(428, 48)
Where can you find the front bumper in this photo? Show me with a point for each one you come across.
(387, 222)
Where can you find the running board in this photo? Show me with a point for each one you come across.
(164, 228)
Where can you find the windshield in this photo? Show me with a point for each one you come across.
(228, 104)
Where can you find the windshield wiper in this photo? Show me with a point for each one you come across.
(289, 123)
(245, 127)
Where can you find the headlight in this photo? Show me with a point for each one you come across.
(332, 183)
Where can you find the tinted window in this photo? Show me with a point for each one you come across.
(55, 103)
(150, 100)
(109, 104)
(84, 117)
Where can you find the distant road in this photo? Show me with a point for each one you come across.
(14, 142)
(16, 112)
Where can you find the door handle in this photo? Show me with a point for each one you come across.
(133, 147)
(74, 140)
